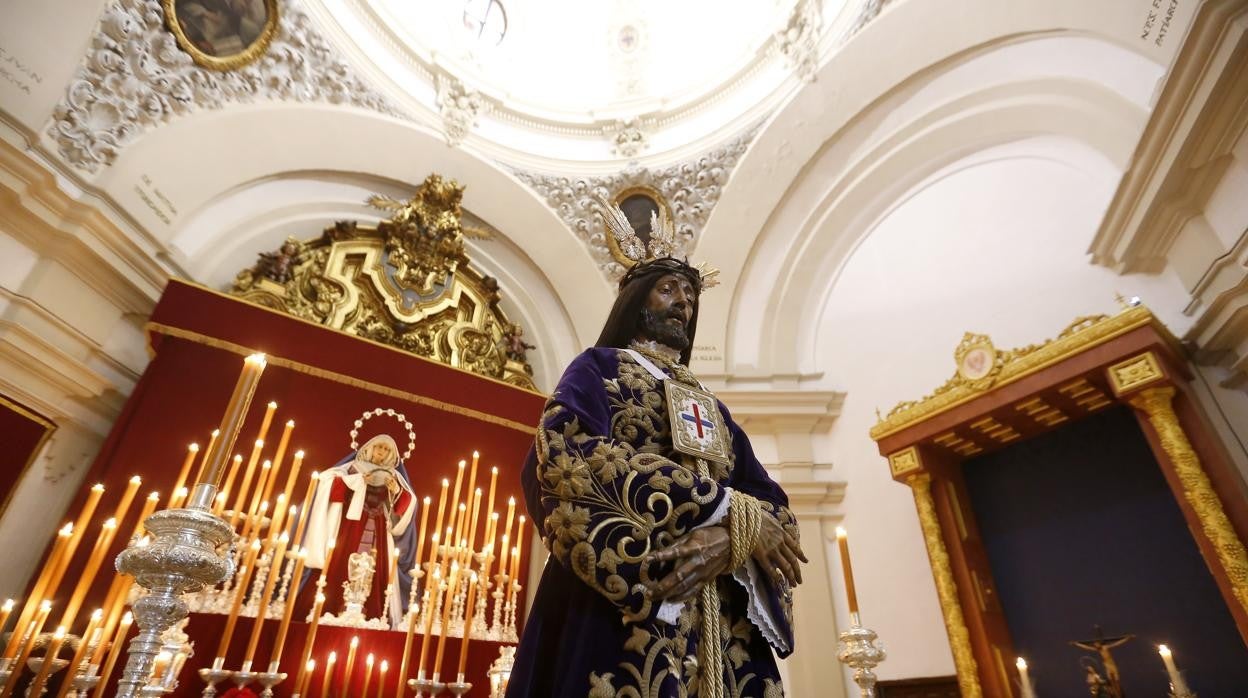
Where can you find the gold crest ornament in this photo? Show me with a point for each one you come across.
(662, 243)
(698, 428)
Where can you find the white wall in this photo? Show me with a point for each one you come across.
(992, 244)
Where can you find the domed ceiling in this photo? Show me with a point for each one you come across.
(595, 82)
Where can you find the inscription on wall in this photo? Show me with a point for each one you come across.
(155, 199)
(17, 73)
(1156, 27)
(707, 352)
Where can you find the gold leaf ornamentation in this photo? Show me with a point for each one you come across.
(406, 282)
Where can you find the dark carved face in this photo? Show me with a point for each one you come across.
(668, 310)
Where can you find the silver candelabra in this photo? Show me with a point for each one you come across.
(856, 648)
(183, 555)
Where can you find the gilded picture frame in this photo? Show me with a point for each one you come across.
(222, 34)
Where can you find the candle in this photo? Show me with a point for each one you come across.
(241, 498)
(381, 678)
(842, 539)
(115, 605)
(185, 472)
(420, 537)
(489, 508)
(257, 494)
(329, 555)
(437, 529)
(274, 530)
(515, 567)
(149, 506)
(407, 647)
(4, 613)
(262, 609)
(1024, 679)
(26, 641)
(212, 441)
(115, 650)
(127, 498)
(289, 488)
(346, 669)
(179, 497)
(368, 673)
(288, 612)
(224, 494)
(515, 552)
(251, 529)
(269, 409)
(329, 671)
(305, 674)
(36, 687)
(443, 631)
(1178, 686)
(282, 443)
(306, 655)
(306, 506)
(232, 419)
(459, 478)
(107, 531)
(472, 524)
(472, 487)
(63, 537)
(435, 592)
(511, 513)
(80, 654)
(240, 593)
(468, 612)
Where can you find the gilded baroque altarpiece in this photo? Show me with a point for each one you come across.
(406, 282)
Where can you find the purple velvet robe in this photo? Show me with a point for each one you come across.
(606, 489)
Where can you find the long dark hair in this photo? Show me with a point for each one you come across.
(624, 320)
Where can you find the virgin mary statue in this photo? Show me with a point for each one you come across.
(365, 505)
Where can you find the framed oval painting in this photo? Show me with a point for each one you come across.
(222, 34)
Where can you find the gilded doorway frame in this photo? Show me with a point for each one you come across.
(997, 397)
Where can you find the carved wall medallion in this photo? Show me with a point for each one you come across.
(406, 282)
(976, 359)
(222, 35)
(135, 77)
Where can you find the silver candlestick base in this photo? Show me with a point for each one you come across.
(460, 687)
(212, 677)
(435, 685)
(83, 685)
(268, 680)
(182, 556)
(420, 684)
(856, 648)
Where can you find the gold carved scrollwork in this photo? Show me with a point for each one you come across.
(975, 376)
(946, 587)
(1157, 405)
(406, 282)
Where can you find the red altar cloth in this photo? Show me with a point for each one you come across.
(324, 380)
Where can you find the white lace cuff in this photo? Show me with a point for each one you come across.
(759, 613)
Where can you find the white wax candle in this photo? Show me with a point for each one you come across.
(1176, 679)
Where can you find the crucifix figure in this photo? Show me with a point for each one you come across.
(1102, 646)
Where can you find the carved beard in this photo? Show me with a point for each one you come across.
(655, 325)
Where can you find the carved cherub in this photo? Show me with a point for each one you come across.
(513, 343)
(279, 266)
